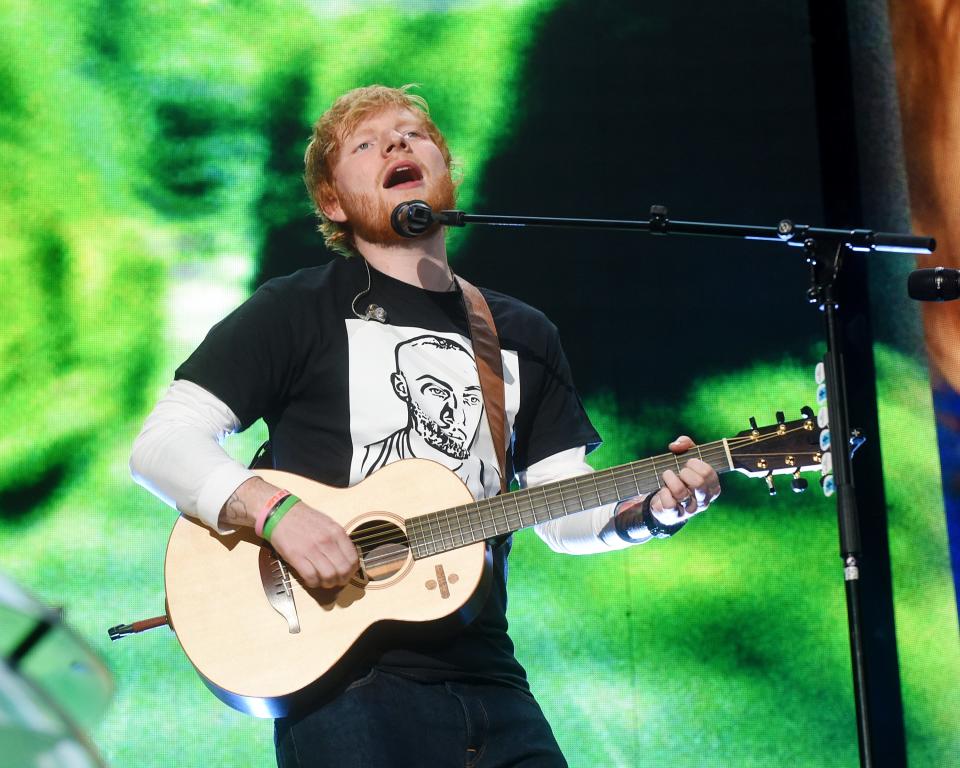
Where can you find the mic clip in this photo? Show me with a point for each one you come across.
(411, 219)
(375, 312)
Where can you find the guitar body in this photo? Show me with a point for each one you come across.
(265, 658)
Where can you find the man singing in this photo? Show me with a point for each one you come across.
(364, 361)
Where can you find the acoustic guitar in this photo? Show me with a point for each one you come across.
(263, 642)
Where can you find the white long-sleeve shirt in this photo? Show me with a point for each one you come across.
(179, 457)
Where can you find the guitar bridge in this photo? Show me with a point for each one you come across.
(275, 577)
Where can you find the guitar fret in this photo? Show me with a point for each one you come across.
(534, 507)
(633, 487)
(482, 522)
(458, 532)
(438, 533)
(528, 505)
(483, 529)
(611, 493)
(593, 487)
(450, 538)
(435, 524)
(545, 505)
(447, 537)
(587, 485)
(491, 515)
(425, 537)
(473, 519)
(576, 485)
(416, 524)
(439, 541)
(575, 506)
(564, 498)
(413, 539)
(606, 495)
(463, 539)
(507, 528)
(516, 503)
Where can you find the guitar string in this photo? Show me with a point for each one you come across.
(611, 482)
(388, 533)
(462, 530)
(624, 470)
(402, 539)
(629, 472)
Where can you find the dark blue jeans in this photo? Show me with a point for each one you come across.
(383, 720)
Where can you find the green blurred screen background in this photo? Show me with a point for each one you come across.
(151, 157)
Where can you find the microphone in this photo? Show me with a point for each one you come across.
(412, 218)
(937, 284)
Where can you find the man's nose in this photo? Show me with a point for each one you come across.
(451, 414)
(394, 140)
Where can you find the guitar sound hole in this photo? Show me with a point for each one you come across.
(383, 549)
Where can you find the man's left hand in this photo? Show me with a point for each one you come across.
(684, 494)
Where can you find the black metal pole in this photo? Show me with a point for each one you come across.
(825, 250)
(659, 224)
(825, 259)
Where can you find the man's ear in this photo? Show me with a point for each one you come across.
(330, 205)
(399, 386)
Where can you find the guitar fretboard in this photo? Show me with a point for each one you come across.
(447, 529)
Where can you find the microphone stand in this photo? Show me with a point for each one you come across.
(658, 224)
(824, 250)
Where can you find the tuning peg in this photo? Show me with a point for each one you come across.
(827, 485)
(820, 373)
(807, 412)
(821, 394)
(823, 417)
(798, 484)
(780, 417)
(826, 463)
(753, 423)
(770, 486)
(824, 439)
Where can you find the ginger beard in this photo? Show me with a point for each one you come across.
(368, 216)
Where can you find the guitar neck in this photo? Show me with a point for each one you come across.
(461, 526)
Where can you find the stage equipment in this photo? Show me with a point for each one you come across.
(824, 251)
(937, 284)
(53, 687)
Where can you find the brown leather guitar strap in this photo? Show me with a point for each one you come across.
(486, 348)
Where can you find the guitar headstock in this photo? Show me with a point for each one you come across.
(787, 447)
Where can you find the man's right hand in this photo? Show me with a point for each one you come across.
(316, 547)
(313, 544)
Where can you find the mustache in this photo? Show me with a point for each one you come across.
(368, 215)
(436, 435)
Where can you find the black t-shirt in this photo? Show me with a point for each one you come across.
(343, 396)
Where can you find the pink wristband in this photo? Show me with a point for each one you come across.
(271, 505)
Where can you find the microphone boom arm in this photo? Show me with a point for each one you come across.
(659, 224)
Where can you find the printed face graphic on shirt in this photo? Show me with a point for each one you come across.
(415, 393)
(443, 399)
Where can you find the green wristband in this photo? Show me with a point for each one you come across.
(277, 514)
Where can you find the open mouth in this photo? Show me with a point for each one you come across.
(404, 175)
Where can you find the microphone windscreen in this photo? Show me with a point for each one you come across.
(937, 284)
(412, 218)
